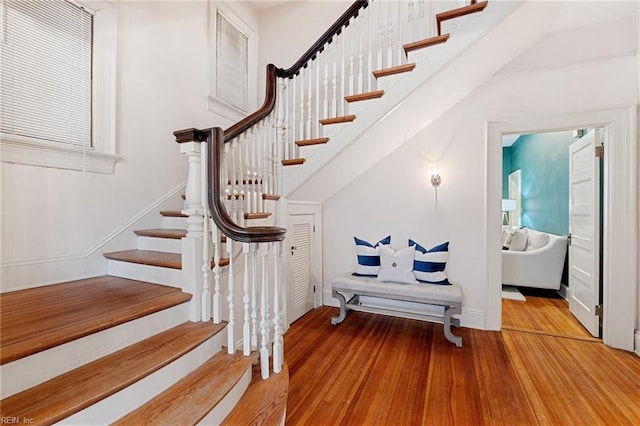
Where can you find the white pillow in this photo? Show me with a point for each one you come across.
(537, 240)
(507, 237)
(519, 241)
(397, 266)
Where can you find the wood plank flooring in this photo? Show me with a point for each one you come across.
(378, 370)
(543, 312)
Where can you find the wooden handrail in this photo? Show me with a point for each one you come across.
(216, 137)
(250, 234)
(326, 38)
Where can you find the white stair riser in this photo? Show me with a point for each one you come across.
(152, 274)
(28, 372)
(226, 405)
(128, 399)
(174, 222)
(167, 245)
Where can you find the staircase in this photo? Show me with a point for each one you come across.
(155, 340)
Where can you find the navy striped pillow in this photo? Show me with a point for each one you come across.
(429, 265)
(369, 257)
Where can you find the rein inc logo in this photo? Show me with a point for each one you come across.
(16, 420)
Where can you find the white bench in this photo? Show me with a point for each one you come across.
(447, 296)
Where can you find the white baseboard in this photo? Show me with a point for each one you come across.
(637, 342)
(40, 272)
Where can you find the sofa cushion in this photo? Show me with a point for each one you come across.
(537, 240)
(519, 241)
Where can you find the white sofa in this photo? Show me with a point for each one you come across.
(539, 265)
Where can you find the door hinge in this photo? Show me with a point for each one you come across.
(599, 311)
(600, 151)
(314, 228)
(569, 239)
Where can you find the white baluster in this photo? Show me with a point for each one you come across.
(317, 111)
(293, 125)
(390, 34)
(253, 266)
(325, 100)
(286, 122)
(217, 301)
(246, 324)
(277, 317)
(231, 326)
(308, 127)
(301, 85)
(334, 80)
(264, 313)
(380, 39)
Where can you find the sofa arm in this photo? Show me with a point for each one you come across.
(539, 268)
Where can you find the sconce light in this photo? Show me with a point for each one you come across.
(435, 178)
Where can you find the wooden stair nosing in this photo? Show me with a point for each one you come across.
(308, 142)
(38, 319)
(147, 257)
(75, 390)
(174, 234)
(365, 96)
(272, 197)
(461, 11)
(193, 397)
(293, 162)
(172, 213)
(399, 69)
(432, 41)
(337, 120)
(264, 402)
(260, 215)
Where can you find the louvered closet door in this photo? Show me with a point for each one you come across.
(300, 266)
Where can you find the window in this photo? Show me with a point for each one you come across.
(232, 58)
(54, 109)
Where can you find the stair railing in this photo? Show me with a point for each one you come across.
(245, 163)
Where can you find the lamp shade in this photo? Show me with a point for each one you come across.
(508, 205)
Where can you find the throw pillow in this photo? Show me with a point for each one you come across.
(396, 266)
(368, 256)
(537, 240)
(519, 241)
(429, 265)
(508, 237)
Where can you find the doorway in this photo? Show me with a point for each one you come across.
(619, 242)
(560, 171)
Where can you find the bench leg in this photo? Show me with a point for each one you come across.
(457, 340)
(343, 308)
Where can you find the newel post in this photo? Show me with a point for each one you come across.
(192, 244)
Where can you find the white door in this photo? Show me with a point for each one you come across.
(584, 228)
(301, 291)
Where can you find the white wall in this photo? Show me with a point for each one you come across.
(394, 196)
(51, 218)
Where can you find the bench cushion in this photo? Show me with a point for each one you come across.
(409, 292)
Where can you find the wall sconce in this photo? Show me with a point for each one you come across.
(435, 178)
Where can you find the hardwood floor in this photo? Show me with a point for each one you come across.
(378, 370)
(543, 312)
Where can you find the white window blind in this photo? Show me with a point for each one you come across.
(46, 57)
(232, 47)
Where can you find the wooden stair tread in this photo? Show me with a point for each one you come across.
(71, 392)
(431, 41)
(174, 234)
(293, 161)
(394, 70)
(365, 96)
(337, 120)
(172, 213)
(148, 257)
(260, 215)
(272, 197)
(461, 11)
(41, 318)
(264, 402)
(191, 399)
(309, 142)
(224, 261)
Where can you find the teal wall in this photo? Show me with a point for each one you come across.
(544, 161)
(506, 169)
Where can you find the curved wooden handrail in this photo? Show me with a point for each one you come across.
(216, 137)
(250, 234)
(326, 38)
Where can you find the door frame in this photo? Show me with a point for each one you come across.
(315, 209)
(620, 214)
